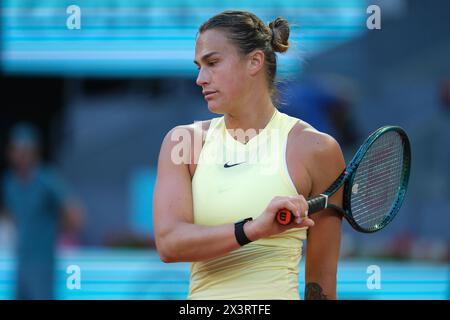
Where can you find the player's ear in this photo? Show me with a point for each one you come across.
(256, 61)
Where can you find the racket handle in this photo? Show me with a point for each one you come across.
(285, 216)
(318, 203)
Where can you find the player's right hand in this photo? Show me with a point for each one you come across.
(266, 224)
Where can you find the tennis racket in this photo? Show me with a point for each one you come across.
(375, 182)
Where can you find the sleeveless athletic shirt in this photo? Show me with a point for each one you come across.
(234, 181)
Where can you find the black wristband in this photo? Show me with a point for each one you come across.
(239, 232)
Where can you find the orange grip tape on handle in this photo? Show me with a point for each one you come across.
(284, 217)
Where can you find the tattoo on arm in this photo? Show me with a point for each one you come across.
(313, 291)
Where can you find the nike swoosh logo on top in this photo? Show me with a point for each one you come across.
(226, 165)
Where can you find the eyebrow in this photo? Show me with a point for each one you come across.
(206, 56)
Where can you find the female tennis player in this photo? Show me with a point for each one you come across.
(215, 202)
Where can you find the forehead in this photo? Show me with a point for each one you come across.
(213, 41)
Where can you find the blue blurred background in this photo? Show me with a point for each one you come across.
(103, 97)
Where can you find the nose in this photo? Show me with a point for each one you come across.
(202, 78)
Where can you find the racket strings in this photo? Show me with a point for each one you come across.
(377, 181)
(380, 174)
(374, 212)
(378, 199)
(375, 193)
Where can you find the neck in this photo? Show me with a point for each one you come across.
(254, 114)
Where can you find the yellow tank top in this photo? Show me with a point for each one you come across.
(234, 181)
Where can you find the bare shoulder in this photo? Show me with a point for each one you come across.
(192, 130)
(183, 144)
(308, 142)
(314, 158)
(188, 134)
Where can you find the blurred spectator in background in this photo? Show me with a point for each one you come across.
(324, 102)
(39, 203)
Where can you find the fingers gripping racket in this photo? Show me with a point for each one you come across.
(375, 182)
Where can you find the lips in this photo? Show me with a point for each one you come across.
(208, 93)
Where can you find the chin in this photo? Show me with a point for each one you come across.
(216, 108)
